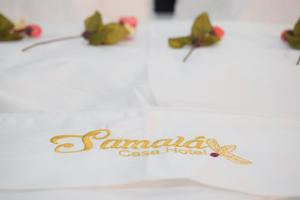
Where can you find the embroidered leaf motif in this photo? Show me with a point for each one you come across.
(236, 159)
(227, 149)
(225, 152)
(93, 23)
(213, 144)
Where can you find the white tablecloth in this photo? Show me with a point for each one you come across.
(70, 87)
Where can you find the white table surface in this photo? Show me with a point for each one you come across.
(55, 78)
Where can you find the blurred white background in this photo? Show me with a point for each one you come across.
(72, 10)
(274, 11)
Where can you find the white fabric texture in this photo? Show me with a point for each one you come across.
(42, 167)
(250, 71)
(71, 75)
(28, 160)
(73, 10)
(160, 190)
(72, 88)
(278, 11)
(267, 142)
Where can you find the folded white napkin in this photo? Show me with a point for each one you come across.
(267, 162)
(59, 150)
(179, 189)
(250, 71)
(71, 75)
(29, 159)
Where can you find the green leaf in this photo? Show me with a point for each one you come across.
(93, 23)
(180, 42)
(297, 28)
(293, 40)
(5, 25)
(10, 37)
(209, 40)
(201, 26)
(109, 34)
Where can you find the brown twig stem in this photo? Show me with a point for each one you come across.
(51, 41)
(189, 53)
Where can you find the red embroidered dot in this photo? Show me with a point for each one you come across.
(214, 154)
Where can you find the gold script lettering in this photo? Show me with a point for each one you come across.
(86, 140)
(196, 143)
(111, 144)
(161, 143)
(134, 144)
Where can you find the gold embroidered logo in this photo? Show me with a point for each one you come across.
(135, 148)
(225, 151)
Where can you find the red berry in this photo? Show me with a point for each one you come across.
(34, 30)
(132, 21)
(218, 31)
(283, 35)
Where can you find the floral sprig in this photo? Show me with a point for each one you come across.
(98, 33)
(202, 34)
(13, 32)
(292, 37)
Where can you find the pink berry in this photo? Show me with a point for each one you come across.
(283, 35)
(34, 30)
(132, 21)
(218, 31)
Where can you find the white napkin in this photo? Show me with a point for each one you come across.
(250, 71)
(71, 75)
(31, 169)
(29, 159)
(269, 143)
(180, 189)
(32, 150)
